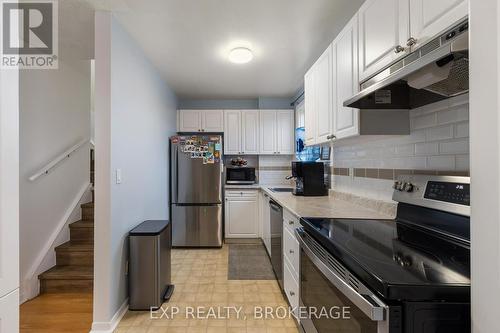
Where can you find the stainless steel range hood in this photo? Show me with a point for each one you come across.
(436, 71)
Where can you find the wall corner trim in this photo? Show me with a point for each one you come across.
(109, 327)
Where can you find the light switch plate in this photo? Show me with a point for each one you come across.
(118, 176)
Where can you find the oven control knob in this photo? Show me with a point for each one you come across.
(396, 185)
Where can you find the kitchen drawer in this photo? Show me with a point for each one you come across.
(241, 193)
(291, 288)
(291, 252)
(290, 221)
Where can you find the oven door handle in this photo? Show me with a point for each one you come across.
(370, 305)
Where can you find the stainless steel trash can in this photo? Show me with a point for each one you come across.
(149, 264)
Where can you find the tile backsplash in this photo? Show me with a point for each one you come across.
(438, 144)
(274, 168)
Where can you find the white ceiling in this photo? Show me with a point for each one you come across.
(188, 41)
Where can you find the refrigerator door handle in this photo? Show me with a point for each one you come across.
(175, 181)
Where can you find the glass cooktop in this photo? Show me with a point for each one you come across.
(395, 259)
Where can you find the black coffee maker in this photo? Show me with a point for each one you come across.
(309, 178)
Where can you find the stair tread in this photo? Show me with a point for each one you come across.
(75, 247)
(68, 273)
(82, 224)
(88, 205)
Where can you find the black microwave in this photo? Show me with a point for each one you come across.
(240, 175)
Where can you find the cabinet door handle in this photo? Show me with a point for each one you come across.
(290, 222)
(399, 49)
(291, 252)
(411, 41)
(292, 293)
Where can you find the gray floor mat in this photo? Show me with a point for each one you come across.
(249, 262)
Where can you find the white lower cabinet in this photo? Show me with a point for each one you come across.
(9, 312)
(241, 214)
(291, 259)
(291, 287)
(291, 249)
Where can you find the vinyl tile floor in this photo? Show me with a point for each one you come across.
(225, 306)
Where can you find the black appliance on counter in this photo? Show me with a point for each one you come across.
(240, 175)
(408, 275)
(309, 178)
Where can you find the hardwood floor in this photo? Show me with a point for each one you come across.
(57, 313)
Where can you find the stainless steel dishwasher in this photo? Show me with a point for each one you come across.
(277, 240)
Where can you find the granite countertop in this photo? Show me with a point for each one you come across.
(242, 187)
(336, 205)
(333, 206)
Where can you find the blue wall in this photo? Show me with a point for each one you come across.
(219, 104)
(255, 103)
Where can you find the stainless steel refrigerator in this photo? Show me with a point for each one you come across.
(196, 190)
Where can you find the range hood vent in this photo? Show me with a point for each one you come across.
(436, 71)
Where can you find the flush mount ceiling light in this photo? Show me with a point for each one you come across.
(240, 55)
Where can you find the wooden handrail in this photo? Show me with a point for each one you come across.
(59, 159)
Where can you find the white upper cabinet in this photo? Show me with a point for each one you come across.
(323, 89)
(267, 132)
(428, 18)
(318, 100)
(189, 121)
(300, 115)
(383, 34)
(309, 108)
(345, 81)
(285, 136)
(250, 132)
(201, 121)
(277, 132)
(232, 132)
(212, 121)
(241, 132)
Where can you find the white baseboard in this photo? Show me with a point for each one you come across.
(30, 286)
(109, 327)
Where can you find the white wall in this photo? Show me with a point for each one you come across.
(54, 116)
(438, 141)
(485, 164)
(135, 115)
